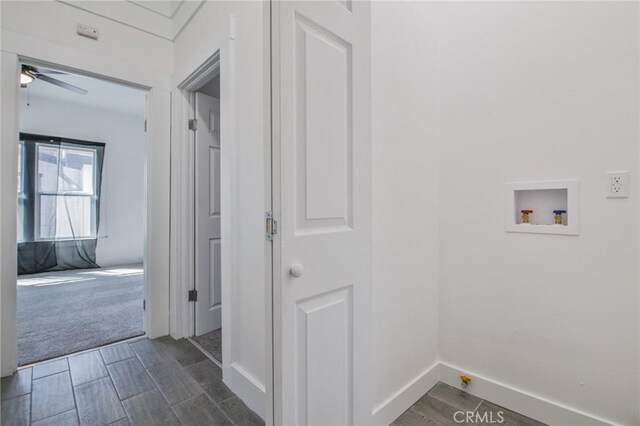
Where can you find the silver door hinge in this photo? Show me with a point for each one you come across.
(145, 125)
(193, 295)
(272, 226)
(193, 124)
(144, 304)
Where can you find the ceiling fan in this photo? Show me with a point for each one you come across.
(30, 73)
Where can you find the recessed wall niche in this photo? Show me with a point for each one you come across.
(546, 207)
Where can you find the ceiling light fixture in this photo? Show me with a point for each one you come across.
(25, 78)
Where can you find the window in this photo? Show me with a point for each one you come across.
(65, 192)
(22, 195)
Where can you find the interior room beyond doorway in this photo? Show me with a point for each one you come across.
(80, 226)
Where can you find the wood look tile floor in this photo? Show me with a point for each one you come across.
(443, 405)
(142, 382)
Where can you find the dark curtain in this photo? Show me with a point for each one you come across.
(59, 203)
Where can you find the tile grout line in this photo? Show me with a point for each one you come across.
(146, 371)
(154, 380)
(217, 405)
(33, 366)
(122, 360)
(216, 362)
(59, 414)
(75, 405)
(136, 356)
(83, 351)
(90, 381)
(114, 389)
(73, 391)
(174, 411)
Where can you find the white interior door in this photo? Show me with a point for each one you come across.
(208, 274)
(323, 133)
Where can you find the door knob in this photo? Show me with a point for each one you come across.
(296, 270)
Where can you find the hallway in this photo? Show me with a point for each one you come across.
(140, 382)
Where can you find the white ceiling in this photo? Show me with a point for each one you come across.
(165, 8)
(102, 94)
(164, 19)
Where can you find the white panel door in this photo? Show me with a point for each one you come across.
(322, 130)
(208, 274)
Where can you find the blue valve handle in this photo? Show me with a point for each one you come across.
(559, 211)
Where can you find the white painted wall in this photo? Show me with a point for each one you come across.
(541, 91)
(46, 31)
(244, 347)
(121, 234)
(405, 200)
(25, 22)
(466, 97)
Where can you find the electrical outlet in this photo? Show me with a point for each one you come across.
(87, 31)
(618, 185)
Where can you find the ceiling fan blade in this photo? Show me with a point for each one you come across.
(62, 84)
(45, 70)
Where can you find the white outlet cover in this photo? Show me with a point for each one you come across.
(618, 184)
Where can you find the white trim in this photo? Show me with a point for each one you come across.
(182, 223)
(518, 400)
(183, 204)
(405, 397)
(269, 262)
(205, 72)
(17, 47)
(240, 381)
(229, 226)
(8, 211)
(64, 57)
(276, 291)
(246, 387)
(243, 384)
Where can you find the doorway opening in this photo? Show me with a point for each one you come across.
(207, 330)
(81, 209)
(223, 258)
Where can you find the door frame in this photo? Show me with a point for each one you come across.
(157, 196)
(183, 219)
(183, 208)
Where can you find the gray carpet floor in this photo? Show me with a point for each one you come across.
(60, 313)
(212, 343)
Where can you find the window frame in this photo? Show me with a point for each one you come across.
(21, 190)
(62, 193)
(31, 182)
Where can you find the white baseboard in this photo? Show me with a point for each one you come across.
(399, 402)
(520, 401)
(514, 399)
(246, 387)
